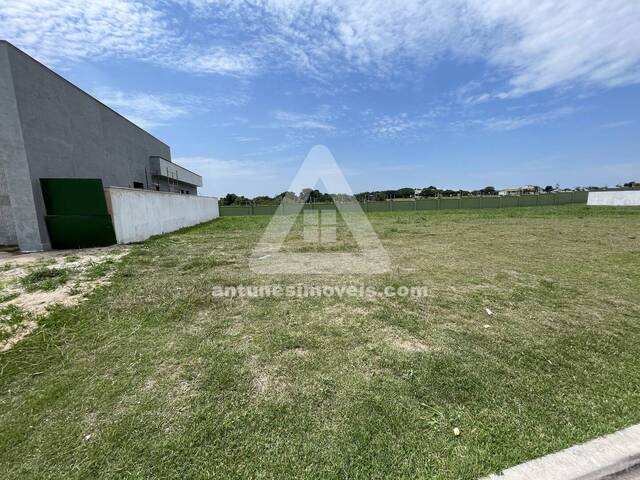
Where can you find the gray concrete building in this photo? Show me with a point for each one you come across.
(49, 128)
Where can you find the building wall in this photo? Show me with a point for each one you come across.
(623, 198)
(163, 183)
(140, 214)
(67, 133)
(18, 220)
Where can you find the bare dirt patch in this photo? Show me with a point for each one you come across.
(33, 282)
(266, 380)
(403, 342)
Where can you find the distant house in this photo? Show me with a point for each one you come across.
(524, 190)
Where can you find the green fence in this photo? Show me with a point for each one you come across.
(442, 203)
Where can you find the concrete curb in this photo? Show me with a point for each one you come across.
(604, 457)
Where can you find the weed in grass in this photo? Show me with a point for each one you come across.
(8, 297)
(11, 317)
(45, 261)
(99, 270)
(71, 258)
(43, 278)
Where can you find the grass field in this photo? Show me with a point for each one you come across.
(153, 377)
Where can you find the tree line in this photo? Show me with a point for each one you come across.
(310, 195)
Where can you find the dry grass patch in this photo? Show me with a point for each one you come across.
(34, 282)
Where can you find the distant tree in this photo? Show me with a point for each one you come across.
(262, 199)
(489, 191)
(305, 194)
(430, 191)
(380, 196)
(404, 193)
(229, 199)
(289, 196)
(548, 189)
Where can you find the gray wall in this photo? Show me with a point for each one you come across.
(139, 214)
(163, 182)
(18, 219)
(66, 133)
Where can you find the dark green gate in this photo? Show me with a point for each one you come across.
(77, 214)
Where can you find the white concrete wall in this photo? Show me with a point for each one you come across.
(622, 198)
(140, 214)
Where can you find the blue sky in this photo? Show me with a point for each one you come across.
(452, 93)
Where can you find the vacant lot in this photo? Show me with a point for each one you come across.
(153, 377)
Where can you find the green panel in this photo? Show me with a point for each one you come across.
(490, 202)
(351, 207)
(421, 204)
(547, 199)
(447, 203)
(509, 201)
(402, 205)
(470, 202)
(80, 231)
(320, 206)
(290, 209)
(565, 197)
(430, 204)
(580, 197)
(265, 209)
(528, 200)
(378, 206)
(236, 210)
(74, 196)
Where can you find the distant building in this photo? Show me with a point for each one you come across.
(49, 128)
(524, 190)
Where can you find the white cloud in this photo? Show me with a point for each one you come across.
(221, 168)
(146, 110)
(538, 44)
(304, 121)
(560, 43)
(618, 124)
(56, 30)
(535, 44)
(514, 123)
(393, 126)
(221, 176)
(219, 61)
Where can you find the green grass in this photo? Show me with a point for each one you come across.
(43, 278)
(152, 377)
(11, 317)
(8, 297)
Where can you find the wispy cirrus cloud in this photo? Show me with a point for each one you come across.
(506, 123)
(222, 175)
(148, 110)
(618, 124)
(537, 45)
(57, 30)
(534, 45)
(319, 120)
(394, 126)
(222, 168)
